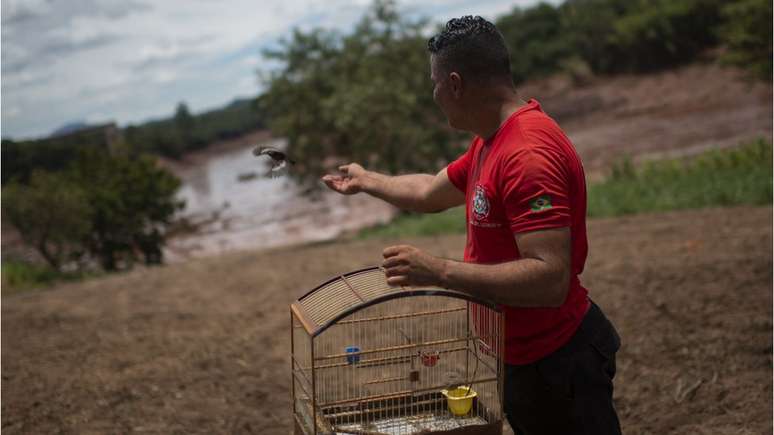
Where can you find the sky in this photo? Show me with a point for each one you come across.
(129, 61)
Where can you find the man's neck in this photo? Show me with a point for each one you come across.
(494, 110)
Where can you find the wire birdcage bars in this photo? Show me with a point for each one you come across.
(368, 358)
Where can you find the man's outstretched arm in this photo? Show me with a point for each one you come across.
(416, 192)
(541, 278)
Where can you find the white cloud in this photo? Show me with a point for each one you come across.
(252, 61)
(11, 112)
(19, 10)
(129, 60)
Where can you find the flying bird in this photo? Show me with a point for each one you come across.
(279, 160)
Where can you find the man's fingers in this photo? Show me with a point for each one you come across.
(334, 177)
(397, 280)
(344, 169)
(335, 182)
(331, 182)
(392, 251)
(393, 261)
(396, 270)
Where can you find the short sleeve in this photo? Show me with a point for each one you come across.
(458, 170)
(535, 190)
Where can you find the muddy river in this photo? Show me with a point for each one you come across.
(237, 206)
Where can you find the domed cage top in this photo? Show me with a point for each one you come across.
(368, 358)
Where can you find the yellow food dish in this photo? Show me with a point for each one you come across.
(459, 399)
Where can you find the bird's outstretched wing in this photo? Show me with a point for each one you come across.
(261, 150)
(272, 153)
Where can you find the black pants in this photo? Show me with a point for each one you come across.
(570, 391)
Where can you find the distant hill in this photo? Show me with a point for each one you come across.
(184, 132)
(171, 137)
(55, 152)
(70, 127)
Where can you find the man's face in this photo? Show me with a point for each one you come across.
(444, 94)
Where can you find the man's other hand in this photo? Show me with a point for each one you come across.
(407, 265)
(350, 181)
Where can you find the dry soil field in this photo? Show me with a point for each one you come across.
(202, 347)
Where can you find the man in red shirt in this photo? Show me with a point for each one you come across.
(525, 194)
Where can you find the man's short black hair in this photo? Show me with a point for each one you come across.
(472, 46)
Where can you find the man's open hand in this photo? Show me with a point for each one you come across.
(407, 265)
(350, 181)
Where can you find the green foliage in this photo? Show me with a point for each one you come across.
(132, 202)
(747, 34)
(106, 208)
(588, 25)
(172, 137)
(612, 36)
(18, 276)
(640, 35)
(20, 159)
(183, 119)
(535, 40)
(662, 33)
(185, 132)
(451, 221)
(716, 178)
(366, 96)
(52, 214)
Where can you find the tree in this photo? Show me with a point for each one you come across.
(132, 200)
(184, 123)
(52, 214)
(366, 96)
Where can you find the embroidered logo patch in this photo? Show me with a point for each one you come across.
(542, 202)
(480, 203)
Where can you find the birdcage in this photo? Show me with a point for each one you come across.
(368, 358)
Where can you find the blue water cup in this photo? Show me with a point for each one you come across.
(353, 354)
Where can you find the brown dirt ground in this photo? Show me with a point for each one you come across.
(203, 347)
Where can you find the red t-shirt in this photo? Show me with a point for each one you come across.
(526, 177)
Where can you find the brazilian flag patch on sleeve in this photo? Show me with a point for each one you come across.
(542, 202)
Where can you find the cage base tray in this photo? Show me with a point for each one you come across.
(443, 424)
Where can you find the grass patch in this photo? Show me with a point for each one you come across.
(19, 276)
(451, 221)
(717, 178)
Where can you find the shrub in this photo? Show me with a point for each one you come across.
(52, 214)
(747, 34)
(535, 41)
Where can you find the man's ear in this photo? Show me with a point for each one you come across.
(455, 83)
